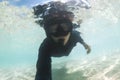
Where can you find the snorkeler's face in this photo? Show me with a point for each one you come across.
(60, 33)
(59, 30)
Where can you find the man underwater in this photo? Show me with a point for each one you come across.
(60, 40)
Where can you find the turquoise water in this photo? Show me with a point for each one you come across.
(20, 39)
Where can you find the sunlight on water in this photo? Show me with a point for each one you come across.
(20, 39)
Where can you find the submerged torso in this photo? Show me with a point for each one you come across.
(58, 50)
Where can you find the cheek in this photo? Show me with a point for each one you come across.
(66, 39)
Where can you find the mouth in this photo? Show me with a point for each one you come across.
(61, 39)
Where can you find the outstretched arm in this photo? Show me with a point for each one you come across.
(86, 46)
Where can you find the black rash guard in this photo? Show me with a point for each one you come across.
(49, 49)
(56, 50)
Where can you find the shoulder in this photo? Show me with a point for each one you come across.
(76, 36)
(75, 33)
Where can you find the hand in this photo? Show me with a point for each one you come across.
(79, 21)
(87, 47)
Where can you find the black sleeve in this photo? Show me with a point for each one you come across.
(78, 37)
(76, 26)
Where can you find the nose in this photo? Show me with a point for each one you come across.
(59, 28)
(59, 31)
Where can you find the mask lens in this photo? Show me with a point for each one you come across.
(65, 26)
(53, 28)
(61, 29)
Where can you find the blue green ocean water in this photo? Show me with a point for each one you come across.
(20, 39)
